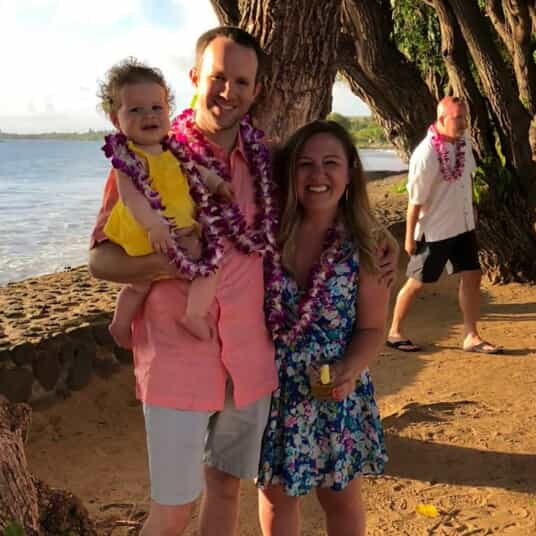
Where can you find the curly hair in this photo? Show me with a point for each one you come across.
(126, 72)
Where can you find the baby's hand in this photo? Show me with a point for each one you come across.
(160, 238)
(225, 191)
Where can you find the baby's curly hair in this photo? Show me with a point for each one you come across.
(128, 71)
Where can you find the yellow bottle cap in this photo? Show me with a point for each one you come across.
(324, 374)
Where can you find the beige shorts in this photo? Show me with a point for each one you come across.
(180, 442)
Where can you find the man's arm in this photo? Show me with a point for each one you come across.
(411, 222)
(110, 261)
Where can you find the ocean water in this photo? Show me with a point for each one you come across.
(50, 193)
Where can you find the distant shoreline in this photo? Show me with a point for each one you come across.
(99, 135)
(90, 135)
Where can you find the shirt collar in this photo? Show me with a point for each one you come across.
(219, 151)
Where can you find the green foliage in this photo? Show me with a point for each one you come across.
(14, 529)
(417, 34)
(492, 170)
(341, 119)
(364, 130)
(401, 187)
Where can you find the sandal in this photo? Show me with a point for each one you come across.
(404, 345)
(484, 347)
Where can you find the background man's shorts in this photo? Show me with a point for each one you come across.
(179, 442)
(429, 259)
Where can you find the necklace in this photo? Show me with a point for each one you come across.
(449, 174)
(217, 221)
(192, 148)
(312, 300)
(123, 159)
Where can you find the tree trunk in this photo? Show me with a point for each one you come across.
(455, 55)
(500, 88)
(381, 76)
(517, 15)
(300, 39)
(18, 496)
(38, 509)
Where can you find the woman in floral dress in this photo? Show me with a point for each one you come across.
(325, 304)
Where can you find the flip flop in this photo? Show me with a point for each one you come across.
(484, 347)
(398, 345)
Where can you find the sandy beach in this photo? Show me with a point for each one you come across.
(460, 427)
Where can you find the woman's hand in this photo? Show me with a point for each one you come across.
(344, 379)
(387, 255)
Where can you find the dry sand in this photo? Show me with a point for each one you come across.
(460, 428)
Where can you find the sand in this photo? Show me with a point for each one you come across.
(460, 428)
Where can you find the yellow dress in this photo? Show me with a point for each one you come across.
(168, 179)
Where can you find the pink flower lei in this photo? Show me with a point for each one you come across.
(311, 301)
(192, 148)
(449, 175)
(123, 159)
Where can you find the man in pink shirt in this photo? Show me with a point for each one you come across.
(205, 402)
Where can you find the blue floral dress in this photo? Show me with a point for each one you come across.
(310, 443)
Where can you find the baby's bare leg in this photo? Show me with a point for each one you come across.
(200, 297)
(129, 300)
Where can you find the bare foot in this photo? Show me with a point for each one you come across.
(121, 334)
(198, 326)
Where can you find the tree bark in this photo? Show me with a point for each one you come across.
(18, 495)
(455, 56)
(380, 75)
(38, 509)
(500, 88)
(517, 15)
(300, 39)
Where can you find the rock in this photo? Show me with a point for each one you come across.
(46, 368)
(122, 355)
(16, 384)
(23, 354)
(82, 366)
(102, 335)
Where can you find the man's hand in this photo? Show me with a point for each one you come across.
(387, 256)
(410, 246)
(160, 238)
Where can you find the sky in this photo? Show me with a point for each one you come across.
(54, 52)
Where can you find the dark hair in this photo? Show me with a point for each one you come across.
(239, 36)
(354, 207)
(126, 72)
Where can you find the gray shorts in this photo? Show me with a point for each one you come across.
(179, 442)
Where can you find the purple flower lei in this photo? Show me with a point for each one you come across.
(194, 148)
(312, 300)
(449, 175)
(123, 159)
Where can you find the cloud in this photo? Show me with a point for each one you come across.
(60, 49)
(63, 48)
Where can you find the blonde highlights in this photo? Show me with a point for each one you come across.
(127, 72)
(354, 211)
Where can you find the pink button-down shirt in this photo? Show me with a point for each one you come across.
(174, 369)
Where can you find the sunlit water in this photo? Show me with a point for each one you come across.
(49, 196)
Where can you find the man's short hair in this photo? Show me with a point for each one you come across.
(239, 36)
